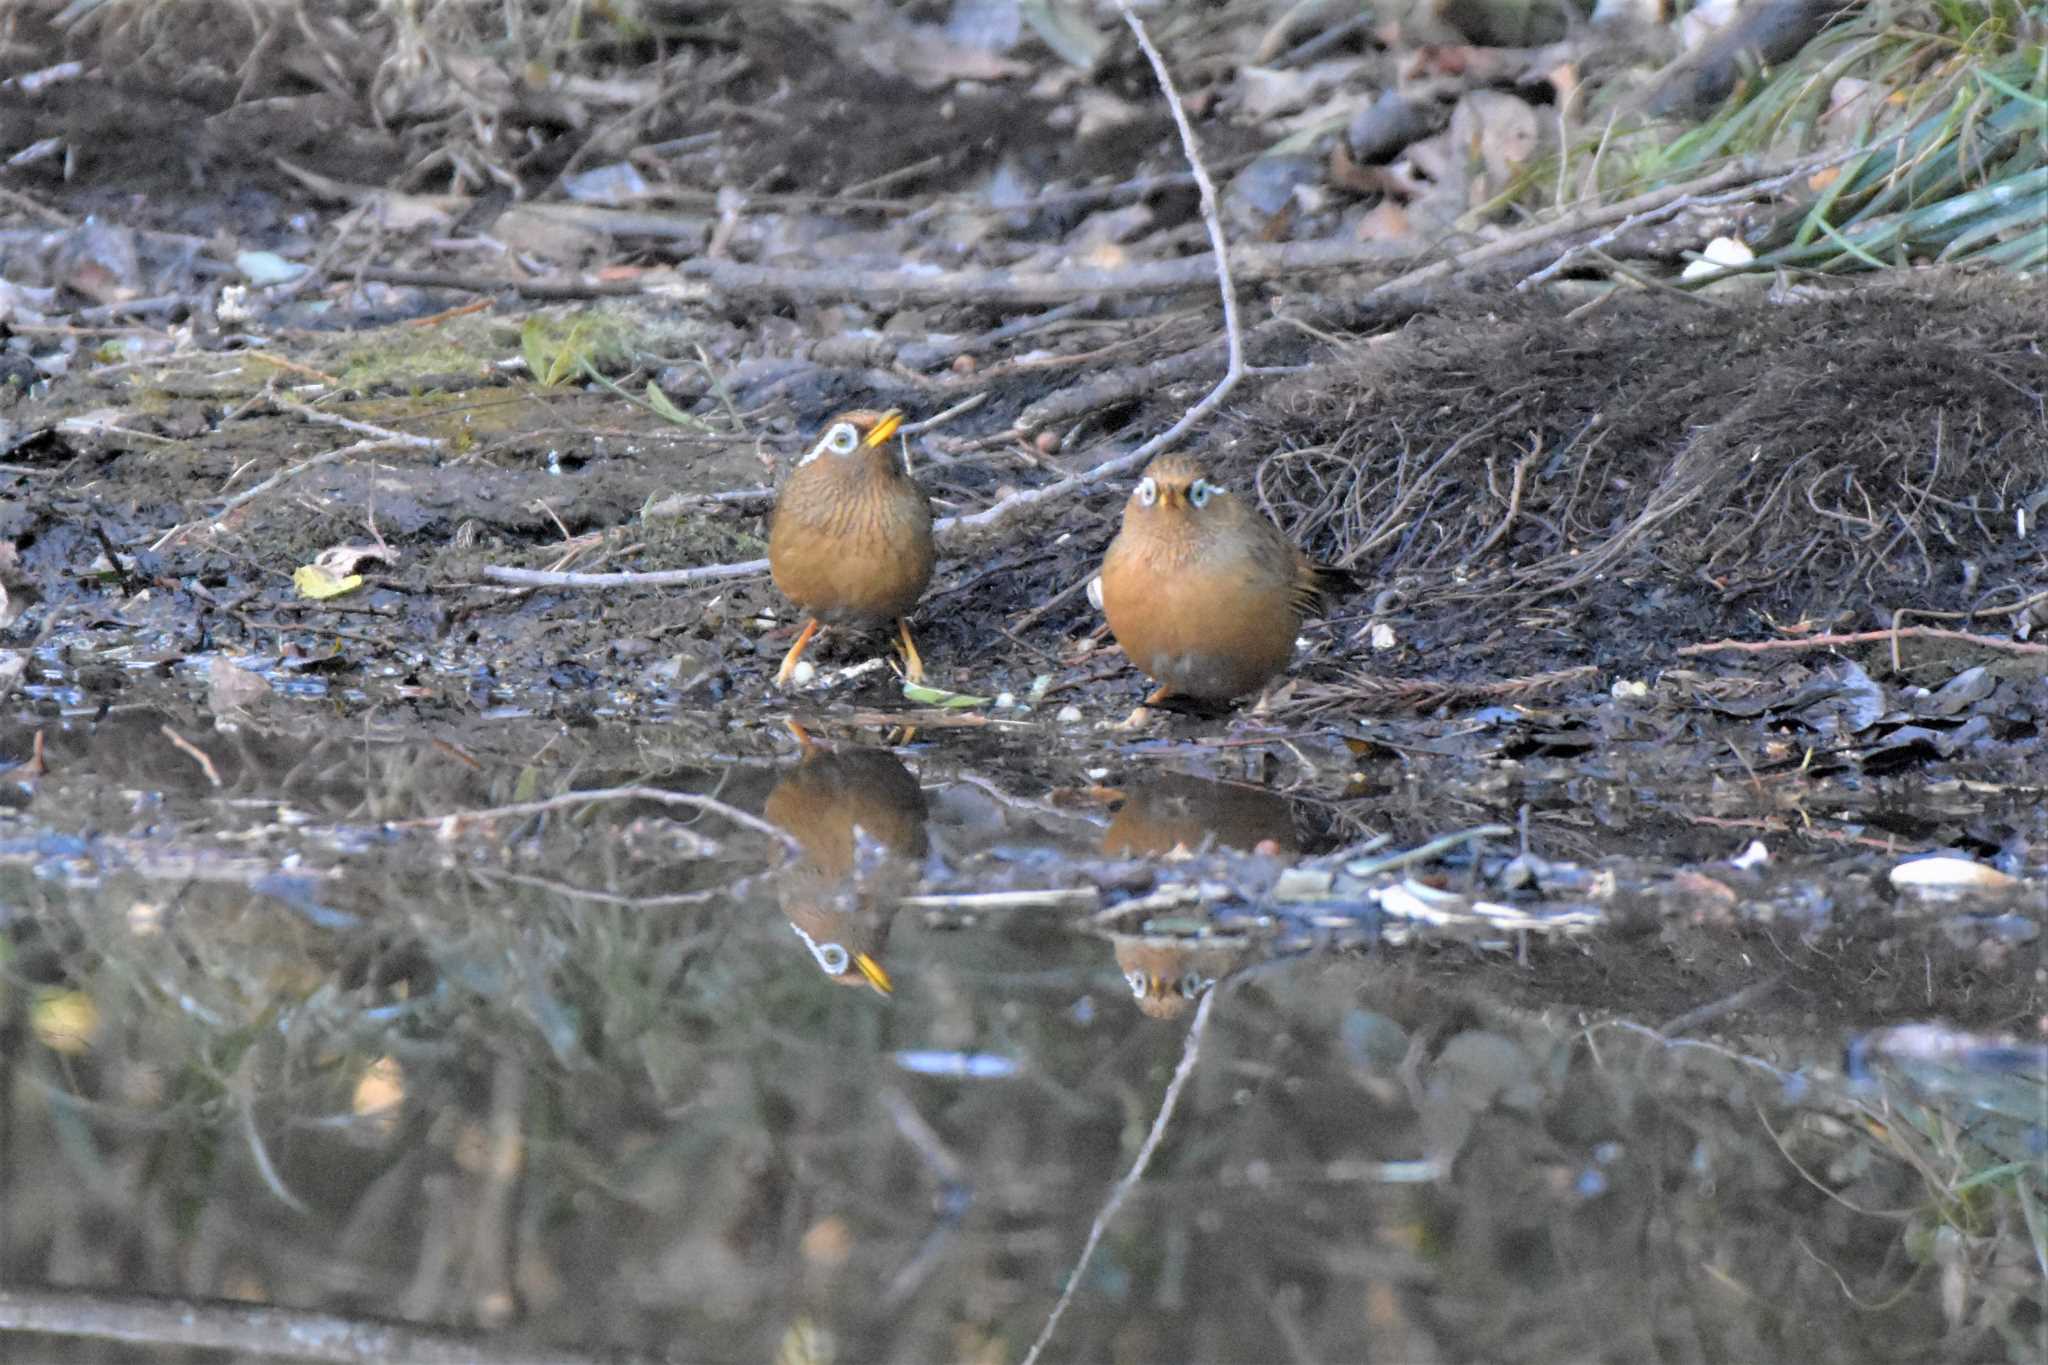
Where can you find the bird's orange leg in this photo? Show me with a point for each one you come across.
(796, 651)
(1158, 694)
(913, 667)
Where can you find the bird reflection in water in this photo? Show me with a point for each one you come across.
(1167, 973)
(1178, 814)
(833, 897)
(1164, 812)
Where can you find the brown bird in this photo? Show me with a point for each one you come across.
(821, 801)
(850, 540)
(1203, 593)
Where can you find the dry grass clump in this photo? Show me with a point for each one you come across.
(1800, 455)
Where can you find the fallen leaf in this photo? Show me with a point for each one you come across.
(317, 583)
(938, 696)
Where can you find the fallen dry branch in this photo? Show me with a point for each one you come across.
(556, 288)
(662, 578)
(1867, 637)
(375, 438)
(1007, 288)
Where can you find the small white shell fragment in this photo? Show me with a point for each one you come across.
(1382, 636)
(1095, 592)
(1756, 855)
(1716, 256)
(1069, 715)
(802, 674)
(1629, 689)
(1945, 872)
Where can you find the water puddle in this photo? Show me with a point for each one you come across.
(826, 1043)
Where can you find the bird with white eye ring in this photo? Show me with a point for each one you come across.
(1204, 594)
(840, 910)
(850, 539)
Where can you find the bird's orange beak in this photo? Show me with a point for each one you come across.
(884, 429)
(872, 972)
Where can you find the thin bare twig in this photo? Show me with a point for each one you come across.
(664, 578)
(1233, 369)
(1865, 637)
(1006, 288)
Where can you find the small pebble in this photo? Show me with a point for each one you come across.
(802, 674)
(964, 364)
(1069, 715)
(1005, 700)
(1048, 442)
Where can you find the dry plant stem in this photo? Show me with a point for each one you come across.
(335, 419)
(578, 799)
(1020, 288)
(1234, 339)
(554, 287)
(1670, 197)
(249, 1330)
(379, 438)
(248, 495)
(1657, 205)
(1191, 1052)
(666, 578)
(1867, 637)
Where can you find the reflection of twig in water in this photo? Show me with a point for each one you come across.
(1190, 1053)
(1424, 852)
(658, 901)
(572, 800)
(254, 1329)
(955, 1194)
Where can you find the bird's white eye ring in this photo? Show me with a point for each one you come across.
(1201, 491)
(1193, 984)
(833, 957)
(1136, 981)
(1148, 491)
(843, 439)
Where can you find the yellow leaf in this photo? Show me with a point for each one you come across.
(315, 582)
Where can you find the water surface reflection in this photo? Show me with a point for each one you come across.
(554, 1079)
